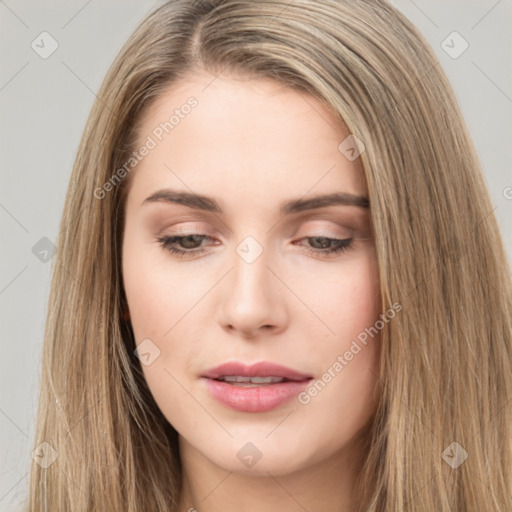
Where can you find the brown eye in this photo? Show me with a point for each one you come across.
(186, 244)
(322, 244)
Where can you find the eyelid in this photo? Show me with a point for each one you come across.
(319, 229)
(186, 228)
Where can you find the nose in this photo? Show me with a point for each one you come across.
(253, 297)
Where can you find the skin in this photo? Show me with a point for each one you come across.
(252, 145)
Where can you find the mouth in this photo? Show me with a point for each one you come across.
(250, 382)
(259, 387)
(263, 372)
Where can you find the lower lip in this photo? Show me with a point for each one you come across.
(257, 398)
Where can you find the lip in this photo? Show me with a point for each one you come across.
(261, 369)
(258, 398)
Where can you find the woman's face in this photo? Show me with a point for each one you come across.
(259, 281)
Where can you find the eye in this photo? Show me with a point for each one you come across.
(325, 245)
(192, 244)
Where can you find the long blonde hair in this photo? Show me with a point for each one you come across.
(446, 367)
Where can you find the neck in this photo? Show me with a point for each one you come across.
(327, 486)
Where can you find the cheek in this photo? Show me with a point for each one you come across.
(158, 307)
(157, 296)
(349, 358)
(348, 300)
(160, 301)
(148, 303)
(359, 301)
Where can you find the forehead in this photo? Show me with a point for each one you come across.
(256, 136)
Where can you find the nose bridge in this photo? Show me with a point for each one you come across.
(250, 273)
(251, 299)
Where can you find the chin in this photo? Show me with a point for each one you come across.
(277, 463)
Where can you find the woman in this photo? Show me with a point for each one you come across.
(275, 268)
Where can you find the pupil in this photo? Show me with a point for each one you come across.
(190, 240)
(324, 242)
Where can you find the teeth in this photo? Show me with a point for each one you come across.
(238, 379)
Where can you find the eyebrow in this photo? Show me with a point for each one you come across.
(201, 202)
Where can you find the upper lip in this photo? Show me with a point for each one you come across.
(261, 369)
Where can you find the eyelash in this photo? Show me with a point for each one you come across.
(341, 245)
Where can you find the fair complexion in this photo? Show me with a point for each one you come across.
(252, 145)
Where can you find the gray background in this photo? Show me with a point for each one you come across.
(44, 104)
